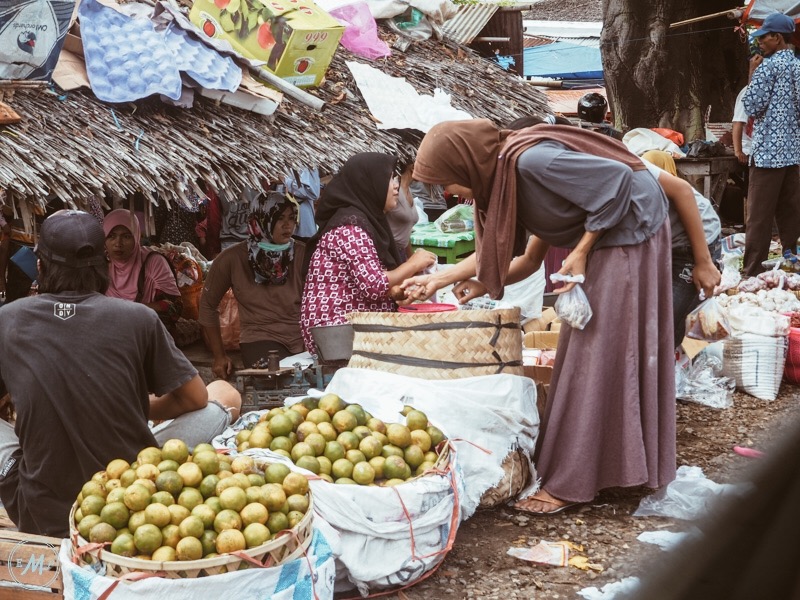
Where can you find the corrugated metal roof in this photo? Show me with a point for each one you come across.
(468, 22)
(565, 102)
(534, 42)
(580, 34)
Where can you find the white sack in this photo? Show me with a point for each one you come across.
(373, 521)
(641, 139)
(756, 363)
(290, 581)
(495, 413)
(753, 319)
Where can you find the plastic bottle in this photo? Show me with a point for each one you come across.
(458, 225)
(790, 262)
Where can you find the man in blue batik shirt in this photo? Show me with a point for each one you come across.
(773, 99)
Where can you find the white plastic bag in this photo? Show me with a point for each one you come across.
(731, 274)
(572, 307)
(422, 216)
(496, 413)
(701, 382)
(688, 497)
(527, 294)
(755, 320)
(456, 219)
(708, 322)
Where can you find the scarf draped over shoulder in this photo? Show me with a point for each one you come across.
(478, 155)
(270, 262)
(357, 196)
(124, 275)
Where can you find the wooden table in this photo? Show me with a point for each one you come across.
(452, 247)
(708, 175)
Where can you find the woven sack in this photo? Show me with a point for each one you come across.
(756, 363)
(791, 371)
(446, 345)
(286, 546)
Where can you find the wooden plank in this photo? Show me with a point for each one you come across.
(9, 593)
(37, 567)
(29, 537)
(36, 563)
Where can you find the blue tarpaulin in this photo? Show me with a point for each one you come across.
(562, 60)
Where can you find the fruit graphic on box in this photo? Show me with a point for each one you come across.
(296, 38)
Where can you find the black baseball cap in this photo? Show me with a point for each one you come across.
(72, 238)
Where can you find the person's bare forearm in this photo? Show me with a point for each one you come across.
(189, 397)
(213, 338)
(530, 262)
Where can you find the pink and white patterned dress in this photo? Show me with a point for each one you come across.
(345, 275)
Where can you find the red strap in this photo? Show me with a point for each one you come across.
(451, 538)
(133, 576)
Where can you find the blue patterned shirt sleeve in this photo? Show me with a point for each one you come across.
(773, 98)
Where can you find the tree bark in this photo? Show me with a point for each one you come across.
(661, 77)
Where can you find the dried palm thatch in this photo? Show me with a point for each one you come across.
(72, 145)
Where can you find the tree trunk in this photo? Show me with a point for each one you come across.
(662, 77)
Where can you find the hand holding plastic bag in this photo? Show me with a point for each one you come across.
(708, 322)
(572, 307)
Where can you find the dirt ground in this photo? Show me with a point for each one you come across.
(479, 566)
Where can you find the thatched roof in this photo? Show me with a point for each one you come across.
(566, 10)
(72, 145)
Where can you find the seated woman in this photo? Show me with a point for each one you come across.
(403, 216)
(354, 260)
(137, 273)
(264, 274)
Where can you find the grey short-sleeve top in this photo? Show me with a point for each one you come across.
(561, 194)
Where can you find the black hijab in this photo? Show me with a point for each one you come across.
(357, 196)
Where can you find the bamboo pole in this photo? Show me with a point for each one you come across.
(23, 83)
(735, 13)
(289, 89)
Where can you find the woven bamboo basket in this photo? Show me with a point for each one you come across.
(446, 345)
(286, 547)
(289, 545)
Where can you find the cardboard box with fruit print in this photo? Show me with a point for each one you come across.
(296, 38)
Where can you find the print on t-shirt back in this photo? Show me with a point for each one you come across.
(64, 310)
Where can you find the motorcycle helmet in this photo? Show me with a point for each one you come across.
(592, 107)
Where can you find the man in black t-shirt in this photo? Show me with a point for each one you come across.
(80, 368)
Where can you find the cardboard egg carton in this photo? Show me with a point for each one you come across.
(541, 334)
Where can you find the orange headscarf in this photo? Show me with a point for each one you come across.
(478, 155)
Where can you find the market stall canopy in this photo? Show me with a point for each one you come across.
(74, 146)
(755, 13)
(757, 10)
(563, 60)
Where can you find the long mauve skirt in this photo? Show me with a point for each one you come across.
(610, 417)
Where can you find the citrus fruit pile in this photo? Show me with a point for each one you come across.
(343, 443)
(170, 505)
